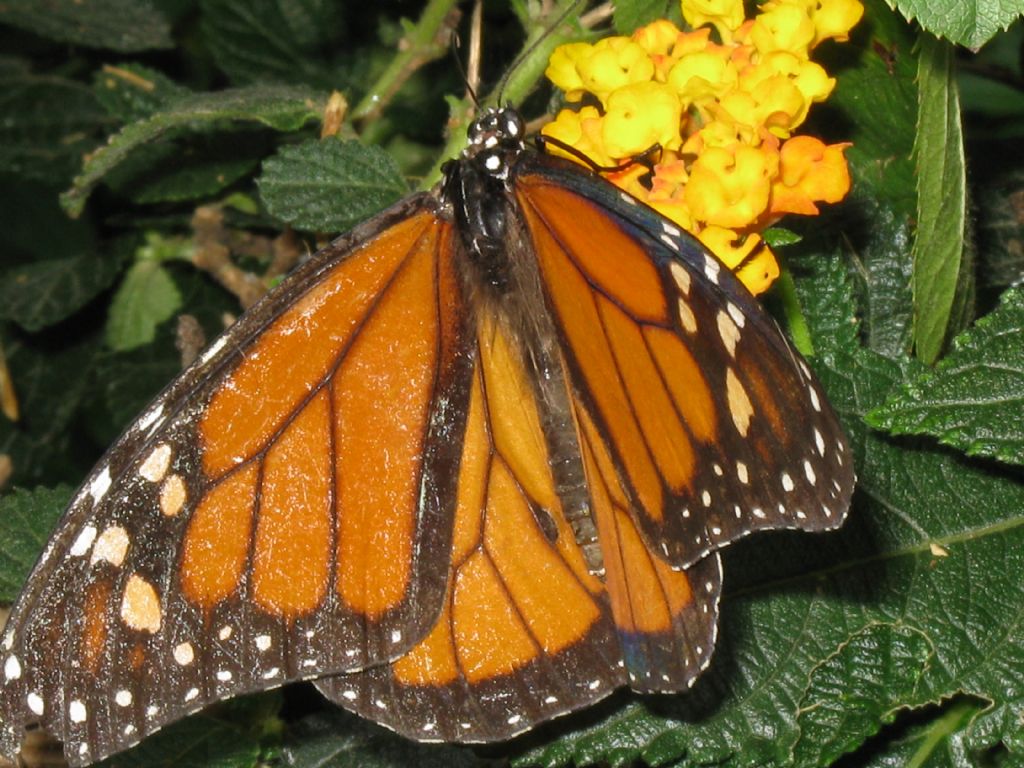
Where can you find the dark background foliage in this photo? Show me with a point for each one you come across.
(161, 158)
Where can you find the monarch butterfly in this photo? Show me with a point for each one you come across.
(468, 469)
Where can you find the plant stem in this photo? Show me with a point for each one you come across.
(423, 43)
(526, 70)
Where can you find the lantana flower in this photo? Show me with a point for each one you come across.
(723, 102)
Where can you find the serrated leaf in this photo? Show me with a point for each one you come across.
(146, 297)
(173, 171)
(201, 741)
(970, 23)
(280, 108)
(337, 739)
(42, 447)
(119, 25)
(329, 185)
(937, 738)
(273, 40)
(858, 688)
(43, 293)
(938, 250)
(974, 398)
(26, 520)
(132, 91)
(47, 124)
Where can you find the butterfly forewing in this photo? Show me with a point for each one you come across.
(717, 426)
(277, 513)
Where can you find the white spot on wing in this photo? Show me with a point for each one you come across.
(728, 331)
(151, 417)
(12, 668)
(192, 694)
(787, 482)
(100, 485)
(711, 268)
(156, 464)
(213, 349)
(819, 441)
(809, 471)
(111, 546)
(83, 542)
(681, 276)
(736, 314)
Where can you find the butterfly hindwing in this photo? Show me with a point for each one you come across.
(525, 633)
(277, 513)
(718, 427)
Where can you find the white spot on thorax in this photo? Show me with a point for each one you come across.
(184, 654)
(77, 712)
(349, 694)
(35, 704)
(224, 675)
(192, 694)
(514, 719)
(123, 698)
(263, 642)
(12, 668)
(225, 632)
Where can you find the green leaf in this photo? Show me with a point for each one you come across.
(280, 108)
(975, 396)
(858, 688)
(933, 740)
(172, 171)
(47, 124)
(120, 25)
(970, 23)
(273, 40)
(51, 381)
(146, 297)
(41, 294)
(226, 736)
(941, 202)
(876, 101)
(631, 14)
(26, 520)
(337, 739)
(132, 92)
(329, 185)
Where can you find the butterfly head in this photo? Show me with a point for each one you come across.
(495, 138)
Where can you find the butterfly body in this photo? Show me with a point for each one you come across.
(468, 469)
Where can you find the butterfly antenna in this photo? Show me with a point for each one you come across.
(550, 30)
(470, 74)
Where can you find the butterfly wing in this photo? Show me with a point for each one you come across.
(278, 512)
(716, 426)
(526, 632)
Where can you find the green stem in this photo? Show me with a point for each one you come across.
(422, 44)
(529, 67)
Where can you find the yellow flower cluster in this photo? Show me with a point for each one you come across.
(723, 106)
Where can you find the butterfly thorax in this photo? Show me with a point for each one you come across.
(476, 189)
